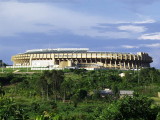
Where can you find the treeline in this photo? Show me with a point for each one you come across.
(77, 84)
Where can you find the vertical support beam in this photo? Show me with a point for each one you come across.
(120, 64)
(115, 64)
(105, 63)
(110, 63)
(30, 60)
(90, 60)
(53, 59)
(59, 61)
(136, 62)
(133, 65)
(129, 65)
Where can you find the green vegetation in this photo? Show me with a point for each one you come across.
(74, 95)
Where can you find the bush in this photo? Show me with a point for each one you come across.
(131, 108)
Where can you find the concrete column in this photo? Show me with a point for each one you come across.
(115, 64)
(53, 59)
(120, 64)
(136, 64)
(110, 63)
(124, 64)
(140, 64)
(105, 63)
(132, 64)
(30, 60)
(70, 63)
(91, 60)
(81, 60)
(129, 65)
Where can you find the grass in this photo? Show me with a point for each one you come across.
(16, 70)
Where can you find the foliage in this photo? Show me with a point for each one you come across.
(131, 108)
(74, 94)
(10, 110)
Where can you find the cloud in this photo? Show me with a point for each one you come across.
(16, 18)
(150, 36)
(145, 21)
(129, 46)
(153, 45)
(139, 2)
(132, 28)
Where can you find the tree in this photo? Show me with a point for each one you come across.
(131, 108)
(11, 110)
(50, 83)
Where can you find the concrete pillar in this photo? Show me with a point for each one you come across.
(30, 60)
(136, 65)
(115, 64)
(120, 64)
(124, 64)
(70, 63)
(91, 61)
(105, 63)
(110, 63)
(81, 60)
(132, 64)
(129, 65)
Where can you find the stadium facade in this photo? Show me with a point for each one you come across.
(81, 58)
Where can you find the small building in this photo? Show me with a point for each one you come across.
(105, 92)
(126, 93)
(122, 74)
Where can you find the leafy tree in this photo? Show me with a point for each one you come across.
(11, 111)
(131, 108)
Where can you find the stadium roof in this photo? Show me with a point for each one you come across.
(67, 50)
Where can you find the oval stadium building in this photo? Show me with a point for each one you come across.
(81, 58)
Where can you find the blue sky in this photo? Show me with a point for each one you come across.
(105, 25)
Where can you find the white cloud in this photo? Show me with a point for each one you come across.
(129, 46)
(132, 28)
(145, 21)
(153, 45)
(17, 17)
(150, 36)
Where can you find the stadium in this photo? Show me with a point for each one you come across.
(81, 58)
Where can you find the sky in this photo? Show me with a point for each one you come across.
(129, 26)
